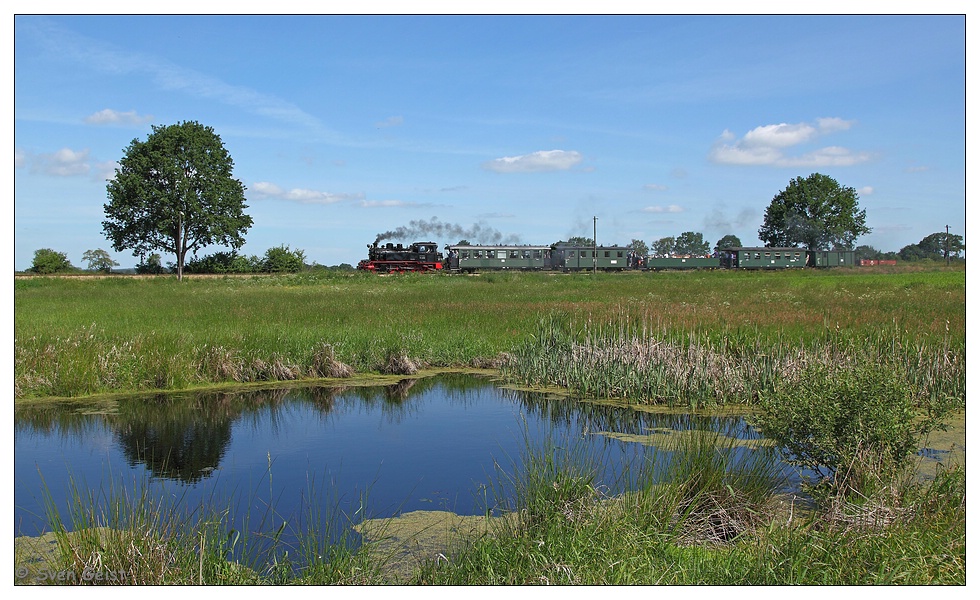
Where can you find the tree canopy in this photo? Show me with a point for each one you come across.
(175, 193)
(817, 213)
(691, 243)
(99, 260)
(936, 246)
(639, 247)
(47, 261)
(728, 241)
(664, 246)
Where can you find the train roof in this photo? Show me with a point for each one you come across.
(502, 246)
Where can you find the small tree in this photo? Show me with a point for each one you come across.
(99, 260)
(829, 420)
(691, 243)
(175, 192)
(728, 241)
(151, 266)
(664, 246)
(47, 261)
(283, 260)
(867, 253)
(577, 240)
(639, 247)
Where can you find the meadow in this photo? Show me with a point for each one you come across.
(85, 336)
(827, 348)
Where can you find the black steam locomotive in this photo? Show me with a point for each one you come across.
(394, 258)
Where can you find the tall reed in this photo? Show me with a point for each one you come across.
(650, 362)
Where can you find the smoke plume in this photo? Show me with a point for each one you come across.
(479, 233)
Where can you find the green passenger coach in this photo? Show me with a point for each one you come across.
(831, 258)
(486, 258)
(782, 258)
(763, 258)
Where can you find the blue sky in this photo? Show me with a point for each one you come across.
(519, 128)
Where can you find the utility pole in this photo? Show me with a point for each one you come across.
(947, 245)
(594, 246)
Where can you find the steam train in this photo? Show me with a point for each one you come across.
(394, 258)
(424, 256)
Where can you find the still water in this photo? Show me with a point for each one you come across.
(274, 456)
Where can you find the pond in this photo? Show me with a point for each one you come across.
(276, 456)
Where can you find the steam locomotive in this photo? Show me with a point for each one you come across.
(394, 258)
(424, 256)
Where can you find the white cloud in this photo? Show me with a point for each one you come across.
(831, 156)
(543, 160)
(265, 189)
(63, 163)
(387, 203)
(114, 117)
(672, 208)
(866, 190)
(655, 187)
(766, 145)
(782, 135)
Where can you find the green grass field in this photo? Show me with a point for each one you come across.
(83, 336)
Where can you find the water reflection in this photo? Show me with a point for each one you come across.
(420, 444)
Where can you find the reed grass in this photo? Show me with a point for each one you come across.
(143, 535)
(649, 362)
(709, 516)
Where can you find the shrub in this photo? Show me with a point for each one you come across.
(48, 261)
(828, 419)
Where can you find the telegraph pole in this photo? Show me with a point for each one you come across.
(595, 244)
(947, 245)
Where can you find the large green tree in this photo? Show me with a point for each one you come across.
(817, 213)
(175, 193)
(942, 245)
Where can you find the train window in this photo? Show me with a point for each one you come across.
(464, 254)
(582, 254)
(777, 256)
(757, 255)
(478, 254)
(501, 254)
(537, 255)
(606, 255)
(619, 254)
(525, 254)
(513, 253)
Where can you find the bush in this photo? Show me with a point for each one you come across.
(48, 261)
(832, 418)
(283, 260)
(224, 262)
(151, 266)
